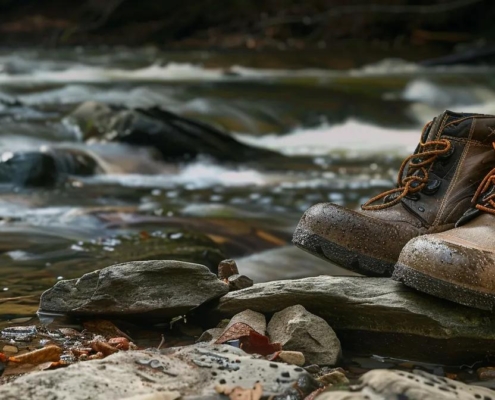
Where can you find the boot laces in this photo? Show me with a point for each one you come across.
(416, 177)
(485, 194)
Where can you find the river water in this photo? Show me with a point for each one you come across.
(344, 134)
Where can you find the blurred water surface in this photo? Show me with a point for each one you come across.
(344, 132)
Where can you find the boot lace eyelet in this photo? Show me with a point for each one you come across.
(413, 174)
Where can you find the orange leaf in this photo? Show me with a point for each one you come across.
(48, 353)
(105, 348)
(120, 343)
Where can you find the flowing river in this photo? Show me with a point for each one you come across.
(344, 134)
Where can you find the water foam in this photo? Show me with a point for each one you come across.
(352, 138)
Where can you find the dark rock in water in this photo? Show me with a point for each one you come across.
(45, 168)
(297, 329)
(175, 137)
(144, 289)
(196, 370)
(378, 316)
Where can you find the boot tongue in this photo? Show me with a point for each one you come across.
(433, 132)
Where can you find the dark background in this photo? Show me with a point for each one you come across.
(442, 25)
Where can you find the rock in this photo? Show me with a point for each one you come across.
(334, 378)
(192, 371)
(210, 335)
(238, 282)
(254, 319)
(420, 385)
(292, 357)
(227, 268)
(378, 316)
(173, 136)
(145, 289)
(486, 373)
(299, 330)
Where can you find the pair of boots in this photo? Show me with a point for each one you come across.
(435, 231)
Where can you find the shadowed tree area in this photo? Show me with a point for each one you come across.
(251, 24)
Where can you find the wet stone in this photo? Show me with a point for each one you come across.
(143, 289)
(238, 282)
(377, 316)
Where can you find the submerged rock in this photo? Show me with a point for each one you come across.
(198, 370)
(145, 289)
(378, 316)
(420, 385)
(297, 329)
(175, 137)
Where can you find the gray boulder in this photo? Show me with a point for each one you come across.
(420, 385)
(299, 330)
(149, 289)
(196, 370)
(378, 316)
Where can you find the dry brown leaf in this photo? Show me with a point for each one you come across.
(104, 348)
(48, 353)
(120, 343)
(236, 331)
(104, 328)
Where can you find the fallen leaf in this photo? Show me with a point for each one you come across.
(3, 357)
(236, 331)
(104, 328)
(259, 344)
(120, 343)
(104, 348)
(48, 353)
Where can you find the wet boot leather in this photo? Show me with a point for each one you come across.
(458, 264)
(434, 189)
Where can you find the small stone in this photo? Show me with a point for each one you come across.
(292, 357)
(334, 378)
(313, 368)
(486, 373)
(227, 268)
(10, 349)
(238, 282)
(299, 330)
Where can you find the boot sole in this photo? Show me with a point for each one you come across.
(445, 290)
(345, 258)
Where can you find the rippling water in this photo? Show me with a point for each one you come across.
(345, 133)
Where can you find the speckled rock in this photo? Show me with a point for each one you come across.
(146, 289)
(192, 371)
(420, 385)
(299, 330)
(377, 316)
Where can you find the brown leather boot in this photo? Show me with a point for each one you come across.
(458, 264)
(434, 188)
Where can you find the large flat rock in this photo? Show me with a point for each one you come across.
(191, 371)
(140, 288)
(378, 316)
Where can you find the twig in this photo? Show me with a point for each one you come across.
(16, 298)
(162, 342)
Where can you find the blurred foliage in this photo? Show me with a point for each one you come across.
(252, 24)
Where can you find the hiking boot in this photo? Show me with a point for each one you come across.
(458, 264)
(435, 186)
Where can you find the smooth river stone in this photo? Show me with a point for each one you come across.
(145, 289)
